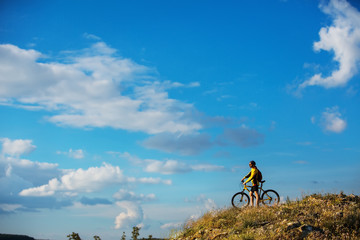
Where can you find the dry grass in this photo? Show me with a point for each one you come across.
(316, 216)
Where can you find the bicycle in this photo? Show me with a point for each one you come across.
(268, 197)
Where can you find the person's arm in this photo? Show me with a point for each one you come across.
(252, 175)
(248, 175)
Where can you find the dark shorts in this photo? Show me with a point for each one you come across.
(254, 188)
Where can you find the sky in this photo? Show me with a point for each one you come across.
(117, 114)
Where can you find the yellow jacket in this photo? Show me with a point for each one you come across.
(252, 176)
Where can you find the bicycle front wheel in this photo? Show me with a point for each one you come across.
(240, 200)
(270, 198)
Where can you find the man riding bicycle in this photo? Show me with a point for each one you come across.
(252, 176)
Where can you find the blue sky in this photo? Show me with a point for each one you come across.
(117, 114)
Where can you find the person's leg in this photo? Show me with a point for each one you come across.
(251, 198)
(254, 189)
(257, 198)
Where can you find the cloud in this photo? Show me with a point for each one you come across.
(86, 181)
(31, 172)
(173, 167)
(242, 137)
(343, 39)
(76, 154)
(331, 120)
(17, 174)
(93, 87)
(151, 181)
(125, 195)
(166, 167)
(132, 216)
(91, 36)
(191, 144)
(207, 167)
(208, 203)
(171, 225)
(17, 147)
(94, 201)
(9, 207)
(13, 184)
(29, 185)
(89, 180)
(169, 166)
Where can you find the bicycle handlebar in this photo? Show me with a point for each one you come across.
(243, 186)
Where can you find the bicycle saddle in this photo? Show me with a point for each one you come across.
(262, 181)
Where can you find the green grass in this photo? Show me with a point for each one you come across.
(329, 216)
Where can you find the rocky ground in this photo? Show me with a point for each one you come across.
(330, 216)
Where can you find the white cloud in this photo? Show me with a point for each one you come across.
(8, 171)
(169, 166)
(34, 172)
(171, 225)
(89, 180)
(207, 167)
(17, 147)
(91, 36)
(10, 207)
(208, 203)
(331, 120)
(124, 194)
(76, 154)
(92, 88)
(343, 39)
(166, 167)
(152, 181)
(133, 215)
(174, 166)
(29, 171)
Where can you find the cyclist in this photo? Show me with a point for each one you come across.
(252, 176)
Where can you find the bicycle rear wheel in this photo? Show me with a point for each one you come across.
(270, 198)
(240, 200)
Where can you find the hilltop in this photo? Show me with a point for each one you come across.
(330, 216)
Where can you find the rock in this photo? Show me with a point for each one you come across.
(263, 223)
(217, 234)
(292, 225)
(307, 229)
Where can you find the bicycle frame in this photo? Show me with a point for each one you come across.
(246, 187)
(267, 197)
(260, 191)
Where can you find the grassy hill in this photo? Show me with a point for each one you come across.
(329, 216)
